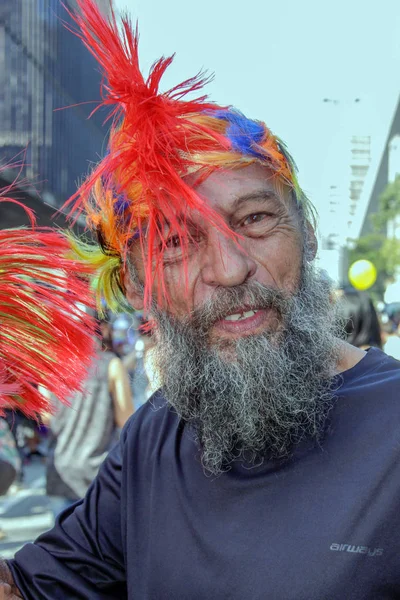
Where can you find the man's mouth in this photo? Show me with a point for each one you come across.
(246, 321)
(242, 315)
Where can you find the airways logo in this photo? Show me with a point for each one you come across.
(356, 549)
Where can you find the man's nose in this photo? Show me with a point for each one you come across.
(225, 262)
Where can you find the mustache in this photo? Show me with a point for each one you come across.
(248, 296)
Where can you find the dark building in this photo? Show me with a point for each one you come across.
(49, 84)
(387, 167)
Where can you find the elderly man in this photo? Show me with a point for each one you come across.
(267, 466)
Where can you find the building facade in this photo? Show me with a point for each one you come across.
(384, 170)
(360, 148)
(348, 159)
(49, 84)
(343, 203)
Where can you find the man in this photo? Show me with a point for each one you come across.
(267, 466)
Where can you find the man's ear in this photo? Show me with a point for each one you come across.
(311, 244)
(133, 292)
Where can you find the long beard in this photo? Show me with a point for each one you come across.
(258, 396)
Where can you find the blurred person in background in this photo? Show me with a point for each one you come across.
(10, 462)
(360, 319)
(83, 433)
(29, 434)
(390, 323)
(140, 364)
(121, 328)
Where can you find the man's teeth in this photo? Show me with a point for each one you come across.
(238, 316)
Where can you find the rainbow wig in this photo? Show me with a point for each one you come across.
(156, 139)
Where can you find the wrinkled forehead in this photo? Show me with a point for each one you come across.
(226, 190)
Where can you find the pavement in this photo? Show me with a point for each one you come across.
(25, 510)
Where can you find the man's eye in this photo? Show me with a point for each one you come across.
(173, 242)
(256, 218)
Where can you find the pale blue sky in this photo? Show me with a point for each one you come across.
(277, 60)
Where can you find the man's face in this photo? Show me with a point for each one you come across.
(248, 363)
(268, 252)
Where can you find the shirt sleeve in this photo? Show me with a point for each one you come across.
(82, 556)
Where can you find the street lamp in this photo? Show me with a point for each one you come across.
(337, 101)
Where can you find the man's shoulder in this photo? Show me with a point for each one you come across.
(375, 366)
(375, 376)
(382, 367)
(368, 406)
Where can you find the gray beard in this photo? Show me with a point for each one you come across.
(259, 396)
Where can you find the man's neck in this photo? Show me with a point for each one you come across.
(349, 356)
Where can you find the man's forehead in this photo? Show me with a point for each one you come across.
(227, 190)
(232, 182)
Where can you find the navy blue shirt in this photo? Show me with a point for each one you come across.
(324, 525)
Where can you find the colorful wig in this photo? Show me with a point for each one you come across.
(156, 139)
(46, 339)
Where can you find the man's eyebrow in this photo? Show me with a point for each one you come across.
(257, 196)
(183, 219)
(186, 219)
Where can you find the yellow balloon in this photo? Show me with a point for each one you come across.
(362, 274)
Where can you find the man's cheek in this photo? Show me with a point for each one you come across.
(182, 289)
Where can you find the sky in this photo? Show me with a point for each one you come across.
(278, 60)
